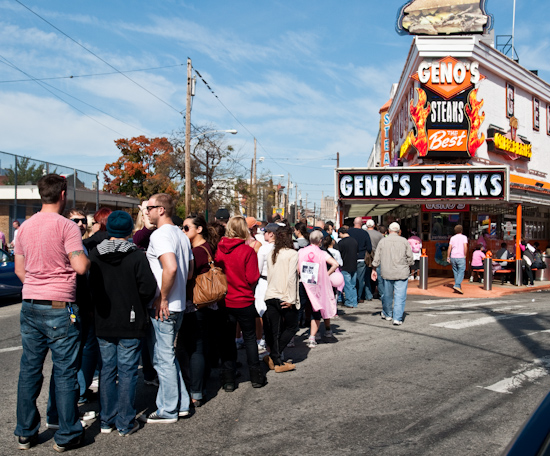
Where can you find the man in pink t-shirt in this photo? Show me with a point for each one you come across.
(48, 255)
(458, 251)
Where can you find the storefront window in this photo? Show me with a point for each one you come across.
(443, 225)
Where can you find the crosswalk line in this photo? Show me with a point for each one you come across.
(474, 311)
(10, 349)
(463, 324)
(470, 305)
(527, 373)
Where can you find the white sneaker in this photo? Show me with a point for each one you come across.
(384, 317)
(417, 277)
(397, 323)
(311, 343)
(95, 384)
(472, 279)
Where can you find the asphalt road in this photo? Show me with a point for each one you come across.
(458, 378)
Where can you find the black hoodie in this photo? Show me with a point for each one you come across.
(120, 281)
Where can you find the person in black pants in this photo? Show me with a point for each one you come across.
(281, 298)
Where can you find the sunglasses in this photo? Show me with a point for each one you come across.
(186, 228)
(152, 207)
(81, 220)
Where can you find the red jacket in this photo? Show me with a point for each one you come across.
(239, 262)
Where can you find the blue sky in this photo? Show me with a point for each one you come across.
(306, 78)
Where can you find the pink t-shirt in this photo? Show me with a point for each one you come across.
(45, 240)
(477, 258)
(457, 244)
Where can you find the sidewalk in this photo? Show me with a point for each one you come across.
(442, 287)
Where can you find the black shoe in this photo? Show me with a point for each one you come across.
(257, 377)
(25, 443)
(229, 387)
(71, 444)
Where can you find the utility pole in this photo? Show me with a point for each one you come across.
(296, 215)
(314, 212)
(188, 140)
(249, 205)
(337, 159)
(305, 210)
(288, 198)
(254, 211)
(207, 189)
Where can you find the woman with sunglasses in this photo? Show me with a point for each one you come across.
(192, 343)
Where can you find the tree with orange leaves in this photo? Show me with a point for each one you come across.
(146, 166)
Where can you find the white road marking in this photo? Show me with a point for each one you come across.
(527, 373)
(474, 311)
(10, 349)
(444, 301)
(463, 324)
(473, 304)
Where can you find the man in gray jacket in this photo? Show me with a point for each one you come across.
(394, 256)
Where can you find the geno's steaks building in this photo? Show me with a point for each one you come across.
(465, 140)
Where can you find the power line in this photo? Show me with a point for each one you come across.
(99, 58)
(43, 85)
(240, 123)
(93, 74)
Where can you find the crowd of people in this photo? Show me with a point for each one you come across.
(128, 294)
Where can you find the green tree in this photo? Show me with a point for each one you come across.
(26, 173)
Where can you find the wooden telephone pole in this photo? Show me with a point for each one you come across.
(188, 140)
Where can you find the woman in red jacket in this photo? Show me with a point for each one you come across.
(240, 265)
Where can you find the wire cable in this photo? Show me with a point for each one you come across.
(99, 58)
(43, 85)
(93, 74)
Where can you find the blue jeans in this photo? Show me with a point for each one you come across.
(380, 281)
(459, 266)
(90, 356)
(349, 289)
(363, 275)
(395, 292)
(120, 360)
(43, 328)
(172, 395)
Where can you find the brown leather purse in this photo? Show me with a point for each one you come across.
(210, 286)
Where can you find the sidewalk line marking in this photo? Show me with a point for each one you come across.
(529, 372)
(10, 349)
(463, 324)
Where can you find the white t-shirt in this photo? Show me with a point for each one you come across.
(263, 253)
(170, 239)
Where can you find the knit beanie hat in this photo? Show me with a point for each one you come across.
(120, 224)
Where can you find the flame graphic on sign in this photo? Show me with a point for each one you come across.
(419, 115)
(476, 119)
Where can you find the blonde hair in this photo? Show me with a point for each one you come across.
(140, 223)
(237, 228)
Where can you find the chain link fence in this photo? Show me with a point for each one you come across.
(19, 196)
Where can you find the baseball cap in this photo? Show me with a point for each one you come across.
(251, 222)
(271, 227)
(223, 214)
(370, 223)
(394, 226)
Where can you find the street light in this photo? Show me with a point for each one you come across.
(188, 171)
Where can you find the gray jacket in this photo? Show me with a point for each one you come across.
(394, 256)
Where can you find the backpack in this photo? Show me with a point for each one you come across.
(210, 286)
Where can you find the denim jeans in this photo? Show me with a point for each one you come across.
(43, 328)
(119, 361)
(395, 292)
(363, 290)
(459, 266)
(192, 351)
(90, 357)
(349, 289)
(172, 395)
(380, 281)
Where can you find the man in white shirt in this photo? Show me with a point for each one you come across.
(171, 260)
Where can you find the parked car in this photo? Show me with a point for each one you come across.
(10, 285)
